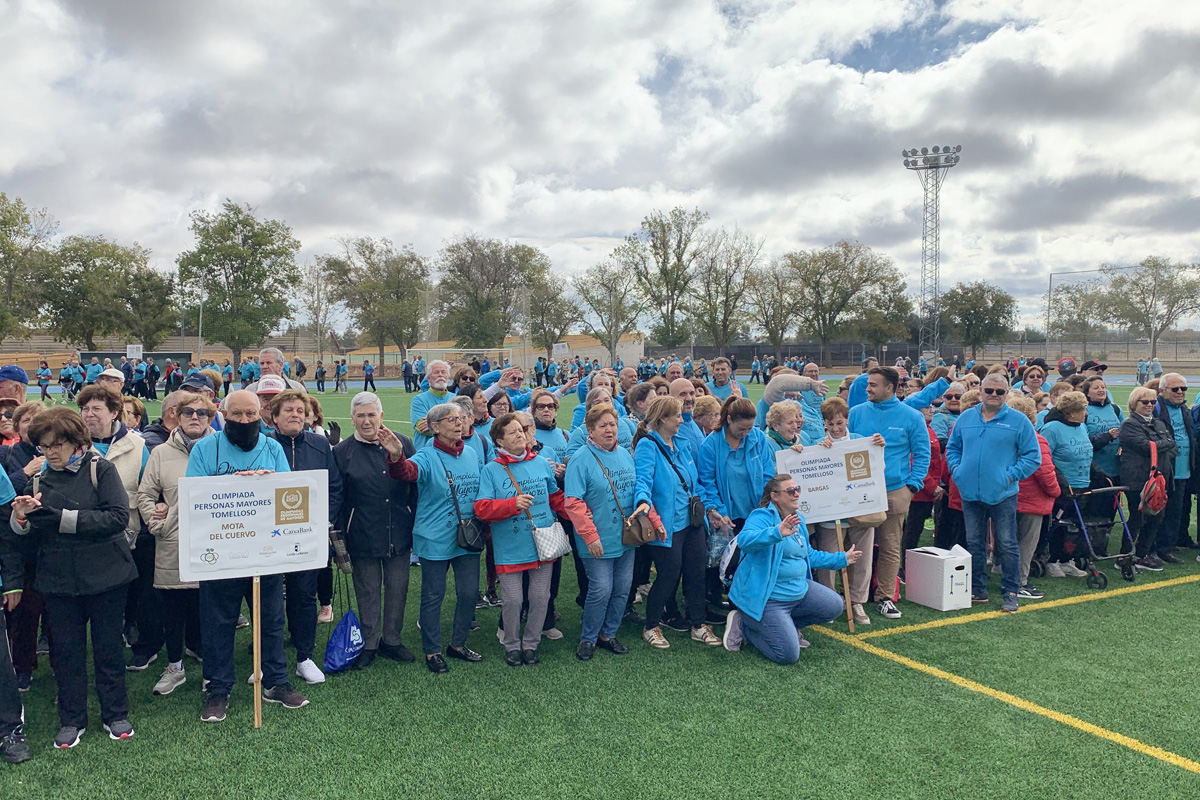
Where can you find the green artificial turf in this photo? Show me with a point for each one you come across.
(691, 721)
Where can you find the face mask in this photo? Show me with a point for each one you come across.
(243, 435)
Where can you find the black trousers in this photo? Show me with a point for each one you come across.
(11, 714)
(300, 602)
(181, 621)
(70, 616)
(142, 603)
(914, 525)
(369, 384)
(687, 557)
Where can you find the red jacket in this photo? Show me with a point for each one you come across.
(1037, 492)
(953, 497)
(933, 477)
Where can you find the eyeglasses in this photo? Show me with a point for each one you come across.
(467, 378)
(42, 448)
(545, 406)
(952, 397)
(187, 411)
(793, 491)
(997, 392)
(7, 414)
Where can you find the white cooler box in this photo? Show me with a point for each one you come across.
(937, 578)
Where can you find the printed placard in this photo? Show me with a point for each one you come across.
(236, 526)
(845, 480)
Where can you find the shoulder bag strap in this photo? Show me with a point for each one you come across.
(453, 491)
(1153, 455)
(95, 482)
(670, 461)
(516, 486)
(610, 483)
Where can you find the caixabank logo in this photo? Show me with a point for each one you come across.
(291, 505)
(858, 465)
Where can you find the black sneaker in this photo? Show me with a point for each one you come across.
(285, 695)
(14, 749)
(68, 736)
(585, 651)
(632, 616)
(713, 618)
(131, 636)
(1150, 563)
(214, 709)
(139, 663)
(678, 624)
(119, 729)
(43, 645)
(480, 602)
(492, 599)
(1030, 592)
(1171, 558)
(24, 681)
(365, 659)
(513, 658)
(242, 622)
(613, 646)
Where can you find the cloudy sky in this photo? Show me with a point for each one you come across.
(561, 124)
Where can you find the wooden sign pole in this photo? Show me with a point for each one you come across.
(845, 578)
(256, 614)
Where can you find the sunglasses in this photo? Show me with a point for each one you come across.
(1177, 389)
(793, 491)
(7, 414)
(545, 406)
(1145, 402)
(998, 392)
(194, 412)
(466, 378)
(936, 403)
(952, 396)
(1100, 369)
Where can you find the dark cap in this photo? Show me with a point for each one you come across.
(197, 382)
(1092, 365)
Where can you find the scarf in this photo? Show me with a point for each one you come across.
(784, 443)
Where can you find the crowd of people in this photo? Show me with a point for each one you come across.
(666, 466)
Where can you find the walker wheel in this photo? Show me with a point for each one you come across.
(1036, 568)
(1097, 579)
(1127, 570)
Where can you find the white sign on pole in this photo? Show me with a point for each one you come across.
(133, 352)
(561, 349)
(837, 482)
(238, 526)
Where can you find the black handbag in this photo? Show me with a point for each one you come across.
(695, 504)
(469, 533)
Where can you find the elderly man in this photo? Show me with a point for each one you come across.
(159, 431)
(152, 375)
(689, 433)
(13, 383)
(270, 362)
(992, 448)
(1173, 411)
(241, 449)
(92, 371)
(439, 387)
(112, 378)
(906, 461)
(721, 386)
(628, 378)
(675, 371)
(127, 374)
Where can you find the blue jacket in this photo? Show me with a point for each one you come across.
(989, 459)
(925, 397)
(943, 422)
(906, 456)
(519, 398)
(732, 481)
(690, 434)
(761, 546)
(659, 485)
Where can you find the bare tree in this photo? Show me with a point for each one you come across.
(772, 300)
(724, 261)
(551, 314)
(611, 303)
(663, 258)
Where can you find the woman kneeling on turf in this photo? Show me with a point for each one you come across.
(773, 587)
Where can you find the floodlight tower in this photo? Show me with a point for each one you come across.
(931, 166)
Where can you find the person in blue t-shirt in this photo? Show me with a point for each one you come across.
(368, 376)
(43, 378)
(722, 386)
(241, 448)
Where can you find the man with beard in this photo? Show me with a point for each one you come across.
(439, 382)
(241, 448)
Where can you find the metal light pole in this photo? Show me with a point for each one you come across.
(931, 166)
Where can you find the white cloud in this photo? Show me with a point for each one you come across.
(562, 124)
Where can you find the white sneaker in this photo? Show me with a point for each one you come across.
(733, 631)
(1071, 571)
(1055, 570)
(253, 677)
(553, 634)
(310, 672)
(172, 678)
(888, 609)
(860, 616)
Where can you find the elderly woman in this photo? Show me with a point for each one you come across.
(1035, 501)
(625, 428)
(447, 478)
(101, 410)
(598, 509)
(707, 413)
(637, 400)
(772, 588)
(497, 407)
(159, 487)
(77, 512)
(1032, 381)
(377, 516)
(667, 482)
(133, 413)
(599, 380)
(785, 420)
(517, 493)
(481, 443)
(1141, 428)
(945, 417)
(1071, 450)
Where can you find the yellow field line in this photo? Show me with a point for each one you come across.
(1063, 601)
(1018, 702)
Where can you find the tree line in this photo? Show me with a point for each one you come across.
(680, 276)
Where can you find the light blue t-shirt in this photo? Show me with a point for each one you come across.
(1183, 463)
(585, 481)
(791, 582)
(512, 538)
(435, 529)
(216, 455)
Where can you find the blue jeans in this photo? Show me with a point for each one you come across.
(220, 604)
(775, 634)
(1004, 526)
(609, 580)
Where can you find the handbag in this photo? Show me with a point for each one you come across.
(468, 534)
(551, 542)
(636, 529)
(1154, 493)
(695, 504)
